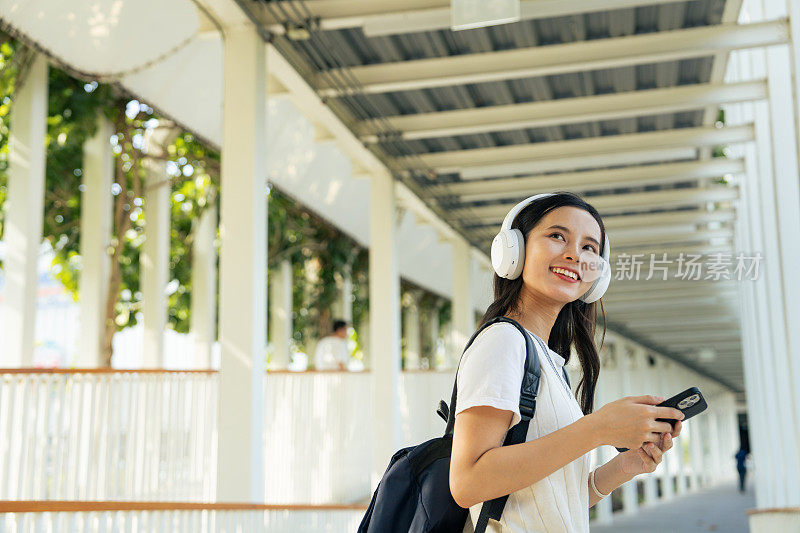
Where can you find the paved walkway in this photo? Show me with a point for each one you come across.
(721, 508)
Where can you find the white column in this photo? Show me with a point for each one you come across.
(96, 213)
(604, 453)
(667, 464)
(650, 480)
(346, 296)
(280, 308)
(776, 140)
(677, 384)
(434, 334)
(630, 502)
(384, 319)
(364, 340)
(751, 234)
(411, 332)
(24, 213)
(154, 258)
(243, 269)
(462, 314)
(204, 288)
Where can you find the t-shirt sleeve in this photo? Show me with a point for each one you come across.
(491, 371)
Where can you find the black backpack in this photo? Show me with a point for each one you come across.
(414, 492)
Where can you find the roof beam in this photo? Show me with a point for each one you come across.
(457, 160)
(622, 288)
(578, 162)
(670, 234)
(668, 295)
(677, 323)
(664, 303)
(561, 111)
(363, 158)
(557, 58)
(694, 216)
(619, 202)
(590, 180)
(381, 17)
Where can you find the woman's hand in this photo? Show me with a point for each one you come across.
(630, 422)
(646, 458)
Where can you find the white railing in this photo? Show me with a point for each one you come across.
(318, 447)
(151, 435)
(96, 517)
(105, 435)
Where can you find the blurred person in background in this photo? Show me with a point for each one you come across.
(332, 352)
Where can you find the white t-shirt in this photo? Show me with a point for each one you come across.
(329, 351)
(490, 373)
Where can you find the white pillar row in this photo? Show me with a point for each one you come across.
(280, 309)
(695, 452)
(776, 142)
(411, 331)
(630, 503)
(364, 339)
(603, 454)
(154, 257)
(97, 204)
(750, 237)
(24, 213)
(433, 331)
(243, 269)
(204, 288)
(678, 383)
(714, 443)
(666, 466)
(346, 296)
(650, 480)
(384, 318)
(462, 319)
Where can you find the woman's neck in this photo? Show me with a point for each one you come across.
(537, 315)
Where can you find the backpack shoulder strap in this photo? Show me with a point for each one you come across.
(527, 406)
(530, 380)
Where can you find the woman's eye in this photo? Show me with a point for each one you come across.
(556, 234)
(591, 248)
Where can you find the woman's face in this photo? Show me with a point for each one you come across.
(556, 242)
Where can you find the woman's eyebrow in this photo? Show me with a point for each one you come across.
(568, 231)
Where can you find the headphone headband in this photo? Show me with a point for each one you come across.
(519, 207)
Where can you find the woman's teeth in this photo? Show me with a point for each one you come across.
(564, 272)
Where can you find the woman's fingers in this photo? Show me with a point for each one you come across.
(677, 430)
(655, 452)
(650, 465)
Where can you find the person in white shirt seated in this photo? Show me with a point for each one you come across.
(332, 352)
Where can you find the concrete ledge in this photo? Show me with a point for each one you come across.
(784, 519)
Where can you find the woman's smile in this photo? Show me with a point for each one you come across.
(562, 273)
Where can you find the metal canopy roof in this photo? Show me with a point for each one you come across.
(618, 104)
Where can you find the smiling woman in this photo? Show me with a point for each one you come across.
(550, 269)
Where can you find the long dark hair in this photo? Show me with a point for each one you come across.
(577, 320)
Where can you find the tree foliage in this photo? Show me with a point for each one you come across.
(318, 252)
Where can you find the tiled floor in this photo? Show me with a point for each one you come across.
(721, 508)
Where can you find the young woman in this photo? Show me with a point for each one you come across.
(548, 476)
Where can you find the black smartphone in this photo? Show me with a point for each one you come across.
(690, 402)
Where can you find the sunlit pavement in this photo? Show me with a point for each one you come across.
(721, 508)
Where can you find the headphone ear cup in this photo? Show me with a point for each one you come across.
(506, 257)
(517, 252)
(599, 286)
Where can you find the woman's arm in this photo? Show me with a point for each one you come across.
(607, 478)
(482, 469)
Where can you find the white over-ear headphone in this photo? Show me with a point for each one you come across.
(508, 253)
